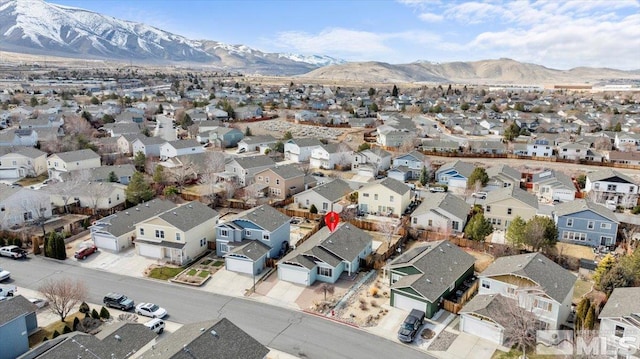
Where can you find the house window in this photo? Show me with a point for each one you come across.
(266, 179)
(247, 233)
(430, 223)
(631, 189)
(277, 181)
(486, 284)
(326, 272)
(177, 236)
(28, 216)
(203, 242)
(541, 304)
(265, 237)
(508, 210)
(569, 222)
(415, 219)
(612, 187)
(159, 234)
(574, 236)
(619, 331)
(117, 197)
(510, 290)
(365, 195)
(488, 209)
(375, 197)
(142, 231)
(455, 225)
(590, 224)
(596, 186)
(224, 233)
(390, 198)
(605, 225)
(109, 200)
(260, 178)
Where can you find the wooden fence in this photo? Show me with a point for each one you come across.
(455, 307)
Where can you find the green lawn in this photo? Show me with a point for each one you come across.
(164, 273)
(28, 181)
(192, 272)
(581, 288)
(203, 274)
(515, 354)
(206, 262)
(218, 263)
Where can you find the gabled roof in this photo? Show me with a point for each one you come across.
(286, 171)
(377, 151)
(607, 173)
(417, 156)
(74, 156)
(102, 173)
(580, 205)
(512, 192)
(254, 161)
(180, 144)
(305, 141)
(489, 306)
(556, 281)
(29, 152)
(265, 216)
(251, 249)
(189, 215)
(463, 168)
(505, 170)
(444, 201)
(7, 191)
(124, 221)
(220, 339)
(258, 139)
(12, 308)
(333, 190)
(150, 141)
(440, 263)
(391, 184)
(551, 176)
(623, 302)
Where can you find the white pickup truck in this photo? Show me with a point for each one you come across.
(4, 274)
(7, 291)
(14, 252)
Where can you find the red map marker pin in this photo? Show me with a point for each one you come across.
(332, 219)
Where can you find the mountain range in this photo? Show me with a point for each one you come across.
(39, 28)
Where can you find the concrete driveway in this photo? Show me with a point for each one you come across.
(469, 346)
(229, 283)
(125, 263)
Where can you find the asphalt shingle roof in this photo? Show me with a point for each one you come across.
(12, 308)
(333, 190)
(124, 221)
(74, 156)
(189, 215)
(390, 183)
(287, 171)
(252, 249)
(512, 192)
(580, 205)
(488, 305)
(463, 168)
(445, 201)
(265, 217)
(606, 174)
(254, 161)
(180, 144)
(623, 302)
(556, 281)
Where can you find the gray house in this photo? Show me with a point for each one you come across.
(251, 237)
(442, 212)
(586, 223)
(17, 321)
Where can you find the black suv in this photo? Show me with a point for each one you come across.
(119, 301)
(411, 326)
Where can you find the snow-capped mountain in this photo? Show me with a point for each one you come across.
(38, 27)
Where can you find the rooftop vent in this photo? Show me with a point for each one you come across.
(215, 334)
(118, 338)
(127, 213)
(539, 260)
(441, 250)
(190, 206)
(428, 280)
(174, 213)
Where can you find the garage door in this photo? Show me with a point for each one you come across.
(293, 275)
(236, 264)
(9, 173)
(406, 303)
(481, 328)
(105, 242)
(150, 251)
(458, 182)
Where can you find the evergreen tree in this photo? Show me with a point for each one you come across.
(394, 92)
(478, 174)
(424, 176)
(516, 231)
(590, 319)
(247, 132)
(84, 307)
(139, 161)
(313, 209)
(55, 334)
(95, 314)
(371, 91)
(581, 312)
(61, 250)
(478, 228)
(104, 313)
(33, 102)
(66, 330)
(138, 189)
(287, 136)
(76, 322)
(112, 177)
(603, 267)
(159, 176)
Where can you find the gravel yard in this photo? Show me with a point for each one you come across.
(443, 341)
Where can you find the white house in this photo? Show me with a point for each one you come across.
(19, 205)
(610, 185)
(619, 321)
(94, 195)
(149, 146)
(73, 160)
(441, 212)
(256, 143)
(299, 150)
(553, 186)
(384, 197)
(330, 155)
(179, 147)
(325, 197)
(539, 148)
(244, 169)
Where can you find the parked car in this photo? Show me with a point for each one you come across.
(118, 301)
(40, 303)
(4, 274)
(241, 150)
(481, 195)
(7, 290)
(150, 310)
(317, 174)
(157, 325)
(411, 326)
(86, 251)
(436, 189)
(14, 252)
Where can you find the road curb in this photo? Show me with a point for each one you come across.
(331, 318)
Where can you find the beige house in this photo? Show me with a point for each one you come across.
(281, 181)
(505, 204)
(72, 160)
(384, 197)
(18, 162)
(179, 235)
(94, 195)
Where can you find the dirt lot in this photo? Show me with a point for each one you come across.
(483, 260)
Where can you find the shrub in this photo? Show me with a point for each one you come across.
(636, 210)
(45, 339)
(313, 209)
(104, 313)
(76, 322)
(95, 314)
(363, 306)
(84, 308)
(374, 291)
(66, 329)
(55, 334)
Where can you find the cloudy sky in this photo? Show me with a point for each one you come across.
(554, 33)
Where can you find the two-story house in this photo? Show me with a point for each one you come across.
(540, 147)
(93, 195)
(627, 141)
(330, 155)
(620, 322)
(19, 205)
(530, 281)
(251, 237)
(281, 181)
(326, 255)
(244, 169)
(17, 322)
(502, 176)
(503, 205)
(407, 166)
(553, 186)
(454, 174)
(586, 223)
(610, 186)
(179, 147)
(119, 173)
(19, 162)
(256, 143)
(385, 197)
(178, 235)
(325, 197)
(424, 275)
(19, 137)
(122, 128)
(149, 146)
(72, 160)
(220, 136)
(299, 149)
(441, 212)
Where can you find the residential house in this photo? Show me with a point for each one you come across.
(573, 150)
(611, 186)
(325, 197)
(394, 136)
(216, 113)
(454, 174)
(247, 112)
(44, 120)
(218, 338)
(586, 223)
(299, 149)
(627, 158)
(441, 212)
(494, 147)
(385, 197)
(503, 205)
(19, 205)
(330, 155)
(253, 236)
(125, 143)
(58, 163)
(121, 174)
(553, 186)
(19, 137)
(281, 181)
(178, 235)
(256, 143)
(149, 146)
(19, 162)
(93, 195)
(436, 145)
(620, 322)
(540, 147)
(117, 129)
(376, 157)
(117, 231)
(501, 176)
(130, 117)
(222, 137)
(17, 321)
(530, 281)
(424, 275)
(627, 141)
(244, 169)
(326, 255)
(178, 148)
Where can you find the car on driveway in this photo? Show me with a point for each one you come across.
(14, 252)
(7, 291)
(4, 274)
(481, 195)
(118, 301)
(150, 310)
(411, 326)
(436, 189)
(85, 251)
(40, 303)
(157, 325)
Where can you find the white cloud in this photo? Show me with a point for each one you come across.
(430, 17)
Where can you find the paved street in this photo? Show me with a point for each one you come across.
(289, 331)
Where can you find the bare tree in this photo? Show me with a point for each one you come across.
(520, 325)
(181, 174)
(597, 196)
(209, 181)
(388, 228)
(76, 125)
(326, 288)
(97, 191)
(602, 143)
(63, 295)
(36, 210)
(629, 238)
(230, 188)
(215, 162)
